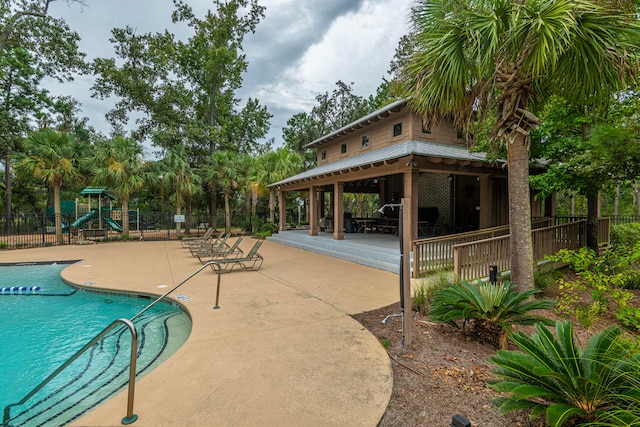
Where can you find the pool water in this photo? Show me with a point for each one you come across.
(41, 329)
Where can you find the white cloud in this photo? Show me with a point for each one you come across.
(301, 48)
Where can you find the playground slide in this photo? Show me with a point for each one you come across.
(84, 218)
(112, 223)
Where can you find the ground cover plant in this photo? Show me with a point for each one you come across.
(490, 309)
(554, 376)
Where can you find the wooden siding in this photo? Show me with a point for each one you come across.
(381, 135)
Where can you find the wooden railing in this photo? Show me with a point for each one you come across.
(436, 253)
(470, 254)
(472, 259)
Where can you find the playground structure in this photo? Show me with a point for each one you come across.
(91, 221)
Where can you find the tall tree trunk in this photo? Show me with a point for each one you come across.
(178, 224)
(254, 209)
(573, 203)
(272, 206)
(227, 213)
(213, 209)
(57, 210)
(187, 224)
(7, 196)
(520, 214)
(592, 219)
(125, 216)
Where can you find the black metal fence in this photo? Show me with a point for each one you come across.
(28, 230)
(615, 219)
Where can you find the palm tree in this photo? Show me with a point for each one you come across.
(504, 56)
(118, 164)
(178, 178)
(276, 166)
(223, 170)
(54, 158)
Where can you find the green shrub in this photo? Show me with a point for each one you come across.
(629, 317)
(604, 278)
(263, 234)
(569, 384)
(492, 309)
(423, 293)
(420, 299)
(270, 227)
(545, 279)
(625, 235)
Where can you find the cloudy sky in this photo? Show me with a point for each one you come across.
(300, 49)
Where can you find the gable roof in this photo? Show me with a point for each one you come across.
(396, 151)
(377, 115)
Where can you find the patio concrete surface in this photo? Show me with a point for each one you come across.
(282, 350)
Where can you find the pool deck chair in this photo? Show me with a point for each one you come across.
(234, 251)
(251, 262)
(218, 245)
(186, 241)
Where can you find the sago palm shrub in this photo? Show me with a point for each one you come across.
(571, 385)
(492, 310)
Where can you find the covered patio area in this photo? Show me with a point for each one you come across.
(377, 250)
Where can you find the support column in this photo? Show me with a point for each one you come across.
(282, 205)
(313, 211)
(338, 211)
(486, 198)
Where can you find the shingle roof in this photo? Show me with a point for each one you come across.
(418, 148)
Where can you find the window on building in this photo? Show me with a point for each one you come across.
(324, 155)
(397, 129)
(343, 148)
(365, 141)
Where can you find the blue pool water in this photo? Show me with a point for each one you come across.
(41, 329)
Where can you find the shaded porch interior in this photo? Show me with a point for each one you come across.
(446, 203)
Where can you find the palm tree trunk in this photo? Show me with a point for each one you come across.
(178, 225)
(125, 217)
(520, 214)
(254, 210)
(227, 213)
(272, 206)
(58, 213)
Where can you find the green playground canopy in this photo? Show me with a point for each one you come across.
(97, 191)
(67, 208)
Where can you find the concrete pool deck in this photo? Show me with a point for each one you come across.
(282, 350)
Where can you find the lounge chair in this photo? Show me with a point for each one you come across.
(212, 255)
(252, 261)
(217, 245)
(186, 241)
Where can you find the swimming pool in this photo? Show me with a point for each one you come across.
(44, 322)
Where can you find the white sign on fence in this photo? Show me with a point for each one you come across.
(178, 218)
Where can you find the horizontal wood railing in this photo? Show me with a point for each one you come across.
(470, 254)
(472, 259)
(436, 253)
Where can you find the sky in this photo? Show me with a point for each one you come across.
(299, 50)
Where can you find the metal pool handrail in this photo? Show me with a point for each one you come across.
(130, 417)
